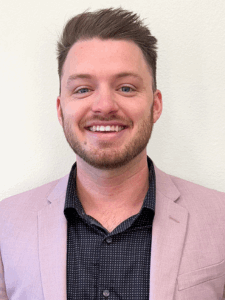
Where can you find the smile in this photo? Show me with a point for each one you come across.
(108, 128)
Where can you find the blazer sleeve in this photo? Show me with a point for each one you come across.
(3, 295)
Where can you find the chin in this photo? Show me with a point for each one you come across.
(110, 159)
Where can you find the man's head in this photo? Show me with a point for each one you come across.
(117, 24)
(108, 103)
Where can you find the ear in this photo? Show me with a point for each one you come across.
(157, 105)
(59, 110)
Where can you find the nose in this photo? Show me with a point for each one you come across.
(105, 102)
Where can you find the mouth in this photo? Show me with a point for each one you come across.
(103, 133)
(106, 129)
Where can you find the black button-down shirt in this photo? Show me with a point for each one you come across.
(108, 265)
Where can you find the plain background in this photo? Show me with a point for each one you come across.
(188, 141)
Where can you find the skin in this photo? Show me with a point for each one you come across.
(112, 171)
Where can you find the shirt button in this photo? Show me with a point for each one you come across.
(106, 293)
(109, 240)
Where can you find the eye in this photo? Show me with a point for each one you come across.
(82, 91)
(126, 89)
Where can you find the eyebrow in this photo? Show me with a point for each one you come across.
(88, 76)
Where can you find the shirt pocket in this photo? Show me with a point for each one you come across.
(199, 276)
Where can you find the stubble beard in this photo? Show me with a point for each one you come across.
(107, 157)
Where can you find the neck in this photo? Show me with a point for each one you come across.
(123, 188)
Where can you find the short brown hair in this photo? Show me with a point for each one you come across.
(110, 23)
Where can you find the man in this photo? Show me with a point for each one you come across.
(117, 227)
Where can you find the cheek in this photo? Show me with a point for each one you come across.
(69, 109)
(139, 113)
(137, 108)
(73, 111)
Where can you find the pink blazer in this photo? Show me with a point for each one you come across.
(188, 243)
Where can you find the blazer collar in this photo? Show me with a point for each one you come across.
(165, 185)
(59, 190)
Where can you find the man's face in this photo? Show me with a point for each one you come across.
(106, 102)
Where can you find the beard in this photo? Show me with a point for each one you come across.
(106, 157)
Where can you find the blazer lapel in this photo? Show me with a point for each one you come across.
(168, 237)
(52, 234)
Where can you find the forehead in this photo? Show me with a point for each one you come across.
(100, 57)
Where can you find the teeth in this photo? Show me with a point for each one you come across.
(106, 128)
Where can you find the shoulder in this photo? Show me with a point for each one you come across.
(19, 212)
(34, 199)
(165, 180)
(193, 189)
(189, 194)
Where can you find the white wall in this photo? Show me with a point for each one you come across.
(189, 139)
